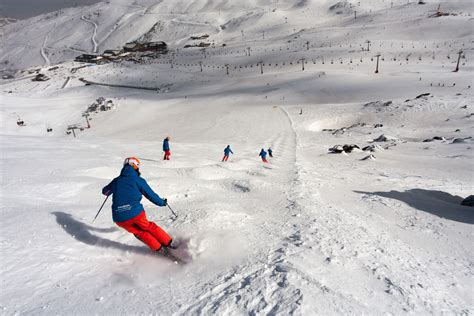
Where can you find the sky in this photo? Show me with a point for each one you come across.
(22, 9)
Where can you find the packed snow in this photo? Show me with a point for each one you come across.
(358, 212)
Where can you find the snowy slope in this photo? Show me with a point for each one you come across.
(309, 233)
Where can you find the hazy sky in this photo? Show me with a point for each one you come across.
(21, 9)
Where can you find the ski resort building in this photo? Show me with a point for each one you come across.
(161, 47)
(88, 58)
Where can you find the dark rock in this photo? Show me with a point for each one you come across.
(458, 141)
(373, 148)
(422, 95)
(434, 138)
(350, 148)
(199, 37)
(342, 130)
(337, 149)
(40, 77)
(385, 138)
(378, 125)
(378, 104)
(469, 201)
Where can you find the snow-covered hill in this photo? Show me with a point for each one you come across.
(309, 233)
(59, 36)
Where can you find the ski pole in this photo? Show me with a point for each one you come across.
(171, 210)
(100, 209)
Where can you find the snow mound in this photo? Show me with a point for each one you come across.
(386, 138)
(341, 7)
(369, 157)
(373, 148)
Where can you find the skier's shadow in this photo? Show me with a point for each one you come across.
(82, 232)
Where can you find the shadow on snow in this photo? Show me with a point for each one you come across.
(438, 203)
(82, 232)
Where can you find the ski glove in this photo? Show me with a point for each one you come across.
(166, 202)
(107, 190)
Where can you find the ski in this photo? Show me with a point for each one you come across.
(176, 260)
(167, 254)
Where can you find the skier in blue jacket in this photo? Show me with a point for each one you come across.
(127, 211)
(227, 152)
(166, 148)
(263, 154)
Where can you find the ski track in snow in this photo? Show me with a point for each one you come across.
(66, 82)
(78, 50)
(43, 46)
(122, 22)
(43, 53)
(94, 33)
(263, 286)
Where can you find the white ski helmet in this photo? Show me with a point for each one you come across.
(132, 161)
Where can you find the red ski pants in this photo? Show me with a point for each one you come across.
(264, 160)
(148, 232)
(225, 158)
(167, 155)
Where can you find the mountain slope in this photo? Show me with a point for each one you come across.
(374, 231)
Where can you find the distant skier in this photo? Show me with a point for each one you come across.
(166, 148)
(263, 154)
(270, 152)
(127, 211)
(227, 152)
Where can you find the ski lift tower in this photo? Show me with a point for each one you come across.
(377, 67)
(261, 67)
(459, 59)
(86, 115)
(72, 128)
(303, 60)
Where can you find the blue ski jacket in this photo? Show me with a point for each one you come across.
(228, 151)
(263, 153)
(127, 190)
(166, 145)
